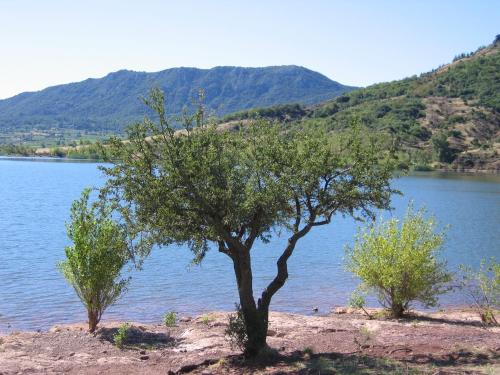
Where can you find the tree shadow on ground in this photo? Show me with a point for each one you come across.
(337, 363)
(302, 364)
(465, 323)
(457, 358)
(138, 338)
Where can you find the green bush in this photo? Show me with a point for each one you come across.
(236, 330)
(483, 289)
(170, 318)
(121, 336)
(94, 262)
(399, 262)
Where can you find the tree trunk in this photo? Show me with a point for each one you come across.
(397, 310)
(256, 322)
(257, 316)
(93, 320)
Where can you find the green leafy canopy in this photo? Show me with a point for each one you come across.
(206, 185)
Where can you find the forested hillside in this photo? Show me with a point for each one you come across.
(449, 117)
(113, 102)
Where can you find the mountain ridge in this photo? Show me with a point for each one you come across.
(113, 101)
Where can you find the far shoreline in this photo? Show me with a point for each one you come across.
(57, 159)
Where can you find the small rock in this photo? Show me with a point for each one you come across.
(144, 357)
(315, 308)
(185, 319)
(142, 352)
(104, 351)
(71, 354)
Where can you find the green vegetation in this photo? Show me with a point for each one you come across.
(283, 112)
(94, 262)
(358, 301)
(121, 336)
(170, 318)
(428, 117)
(442, 147)
(110, 103)
(483, 289)
(16, 150)
(236, 330)
(357, 364)
(206, 319)
(232, 188)
(446, 118)
(399, 262)
(366, 337)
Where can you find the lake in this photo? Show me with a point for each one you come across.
(35, 198)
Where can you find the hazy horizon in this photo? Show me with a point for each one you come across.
(355, 43)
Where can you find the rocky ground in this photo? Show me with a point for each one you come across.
(451, 342)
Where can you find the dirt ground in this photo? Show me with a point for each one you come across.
(344, 342)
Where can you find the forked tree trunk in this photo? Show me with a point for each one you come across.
(257, 316)
(256, 322)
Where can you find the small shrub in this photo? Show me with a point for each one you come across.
(120, 337)
(366, 336)
(321, 365)
(399, 262)
(236, 330)
(308, 351)
(357, 301)
(170, 318)
(366, 333)
(206, 319)
(483, 289)
(94, 262)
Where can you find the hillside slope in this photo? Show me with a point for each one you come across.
(448, 118)
(112, 102)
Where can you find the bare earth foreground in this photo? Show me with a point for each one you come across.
(451, 342)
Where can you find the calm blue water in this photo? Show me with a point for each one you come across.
(34, 204)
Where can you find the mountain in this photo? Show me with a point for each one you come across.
(447, 118)
(113, 102)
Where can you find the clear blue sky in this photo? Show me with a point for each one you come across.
(48, 42)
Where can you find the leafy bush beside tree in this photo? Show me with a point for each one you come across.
(95, 260)
(483, 289)
(399, 261)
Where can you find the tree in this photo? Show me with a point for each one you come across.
(399, 262)
(94, 262)
(445, 152)
(207, 186)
